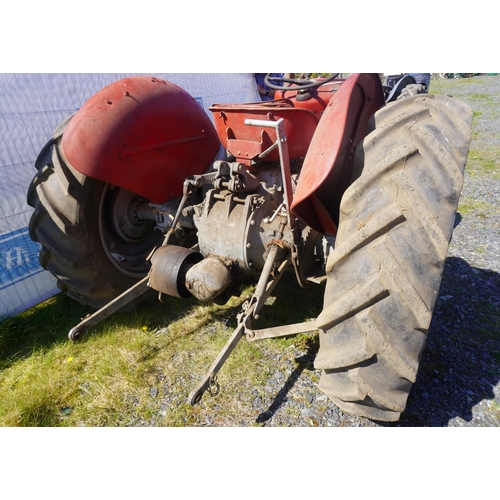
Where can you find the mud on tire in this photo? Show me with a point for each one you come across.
(76, 222)
(384, 275)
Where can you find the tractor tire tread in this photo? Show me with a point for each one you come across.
(383, 277)
(61, 198)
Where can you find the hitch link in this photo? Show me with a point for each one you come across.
(111, 307)
(250, 310)
(142, 286)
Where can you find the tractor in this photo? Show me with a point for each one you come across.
(340, 181)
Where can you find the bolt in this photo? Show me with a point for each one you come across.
(249, 245)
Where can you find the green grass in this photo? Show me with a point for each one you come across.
(484, 154)
(468, 205)
(484, 161)
(139, 366)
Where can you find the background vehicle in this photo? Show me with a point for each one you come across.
(132, 194)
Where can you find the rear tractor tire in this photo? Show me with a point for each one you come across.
(91, 240)
(384, 275)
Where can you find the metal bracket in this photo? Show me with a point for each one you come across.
(111, 307)
(250, 310)
(283, 331)
(281, 144)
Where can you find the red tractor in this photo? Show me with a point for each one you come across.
(139, 191)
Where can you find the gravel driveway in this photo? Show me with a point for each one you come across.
(459, 376)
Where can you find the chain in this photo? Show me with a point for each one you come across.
(213, 385)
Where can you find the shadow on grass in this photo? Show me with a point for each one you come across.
(38, 328)
(290, 303)
(46, 325)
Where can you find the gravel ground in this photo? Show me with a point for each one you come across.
(459, 377)
(458, 384)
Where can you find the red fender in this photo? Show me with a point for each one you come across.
(327, 169)
(143, 134)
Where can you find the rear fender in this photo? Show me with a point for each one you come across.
(143, 134)
(327, 168)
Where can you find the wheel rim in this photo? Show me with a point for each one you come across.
(126, 239)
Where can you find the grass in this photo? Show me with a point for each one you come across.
(484, 153)
(468, 205)
(137, 368)
(484, 161)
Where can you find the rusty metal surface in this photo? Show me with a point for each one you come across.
(239, 229)
(207, 279)
(169, 265)
(282, 331)
(143, 134)
(326, 172)
(247, 143)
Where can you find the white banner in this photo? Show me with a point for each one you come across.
(31, 107)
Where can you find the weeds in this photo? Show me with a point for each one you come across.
(138, 368)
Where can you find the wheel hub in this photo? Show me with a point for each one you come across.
(126, 238)
(126, 223)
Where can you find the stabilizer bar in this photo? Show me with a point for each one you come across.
(250, 310)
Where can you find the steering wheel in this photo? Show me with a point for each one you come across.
(302, 83)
